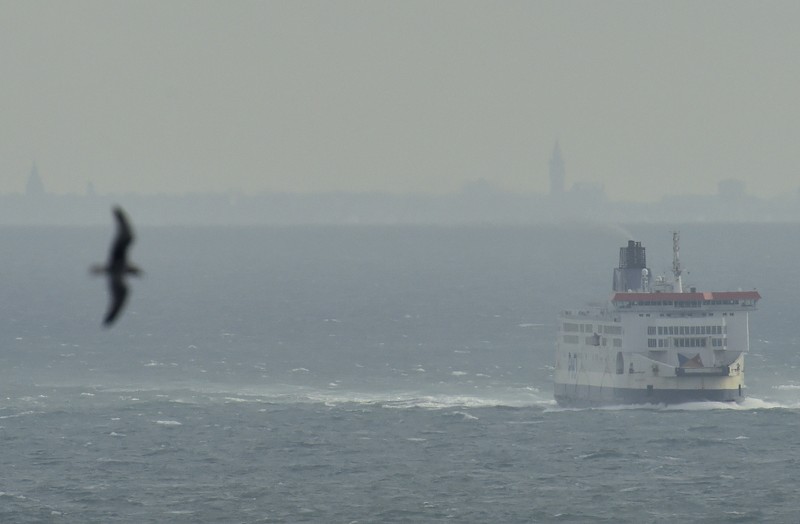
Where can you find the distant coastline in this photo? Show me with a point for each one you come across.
(474, 205)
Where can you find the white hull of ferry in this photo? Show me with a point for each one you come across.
(592, 379)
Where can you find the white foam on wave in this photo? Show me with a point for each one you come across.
(787, 387)
(525, 397)
(436, 402)
(237, 399)
(168, 423)
(748, 404)
(464, 415)
(335, 395)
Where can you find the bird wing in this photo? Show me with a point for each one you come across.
(119, 292)
(122, 241)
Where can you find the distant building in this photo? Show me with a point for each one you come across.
(731, 189)
(34, 187)
(557, 172)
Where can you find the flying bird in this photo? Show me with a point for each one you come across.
(118, 267)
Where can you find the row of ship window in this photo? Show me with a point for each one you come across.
(687, 342)
(683, 303)
(594, 340)
(685, 330)
(574, 327)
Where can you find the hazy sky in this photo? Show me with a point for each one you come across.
(647, 98)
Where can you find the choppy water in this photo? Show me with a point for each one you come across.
(372, 375)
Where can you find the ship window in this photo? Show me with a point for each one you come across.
(651, 330)
(651, 343)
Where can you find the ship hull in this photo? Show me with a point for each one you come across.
(572, 395)
(635, 378)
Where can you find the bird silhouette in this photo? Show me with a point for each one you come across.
(118, 267)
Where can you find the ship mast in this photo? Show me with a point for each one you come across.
(676, 261)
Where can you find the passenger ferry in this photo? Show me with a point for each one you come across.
(654, 342)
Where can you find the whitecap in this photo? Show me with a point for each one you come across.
(465, 416)
(236, 399)
(168, 423)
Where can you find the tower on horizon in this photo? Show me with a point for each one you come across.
(557, 172)
(34, 187)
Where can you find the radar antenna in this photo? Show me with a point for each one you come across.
(676, 261)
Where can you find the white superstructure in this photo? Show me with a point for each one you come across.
(654, 342)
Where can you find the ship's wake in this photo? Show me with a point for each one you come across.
(748, 404)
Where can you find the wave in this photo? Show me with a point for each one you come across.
(521, 397)
(408, 400)
(748, 404)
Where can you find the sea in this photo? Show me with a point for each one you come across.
(374, 374)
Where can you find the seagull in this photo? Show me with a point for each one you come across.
(118, 267)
